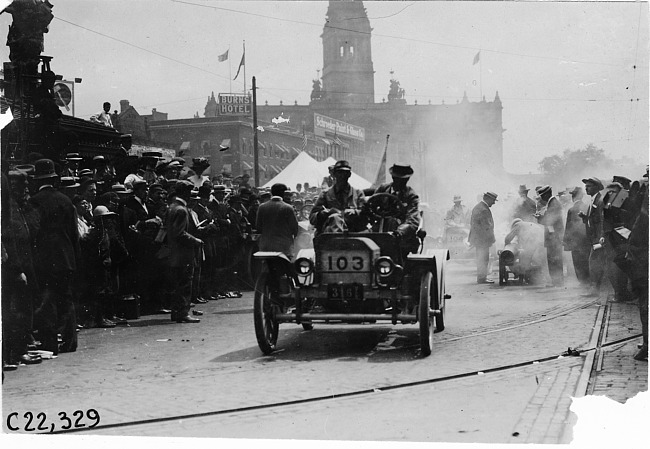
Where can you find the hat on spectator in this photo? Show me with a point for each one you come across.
(68, 182)
(219, 188)
(44, 168)
(155, 186)
(100, 211)
(575, 190)
(235, 199)
(595, 181)
(99, 159)
(178, 159)
(26, 168)
(183, 186)
(457, 199)
(341, 166)
(73, 157)
(120, 189)
(194, 194)
(85, 172)
(265, 195)
(544, 189)
(278, 189)
(400, 171)
(200, 163)
(491, 195)
(205, 191)
(523, 188)
(615, 184)
(625, 182)
(17, 174)
(138, 183)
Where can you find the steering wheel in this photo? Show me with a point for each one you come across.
(384, 205)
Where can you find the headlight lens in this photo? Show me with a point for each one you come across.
(304, 267)
(384, 266)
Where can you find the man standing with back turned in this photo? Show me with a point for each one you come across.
(481, 235)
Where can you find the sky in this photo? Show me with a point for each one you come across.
(568, 74)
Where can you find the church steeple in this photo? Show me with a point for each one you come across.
(348, 75)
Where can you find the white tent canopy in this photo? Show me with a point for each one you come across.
(356, 181)
(302, 169)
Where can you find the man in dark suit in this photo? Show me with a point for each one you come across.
(182, 252)
(593, 220)
(277, 223)
(481, 235)
(57, 248)
(575, 236)
(550, 216)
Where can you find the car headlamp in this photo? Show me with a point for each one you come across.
(384, 266)
(304, 266)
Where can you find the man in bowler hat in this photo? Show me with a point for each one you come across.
(481, 235)
(277, 223)
(57, 249)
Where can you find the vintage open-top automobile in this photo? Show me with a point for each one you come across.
(353, 278)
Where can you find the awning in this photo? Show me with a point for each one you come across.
(275, 169)
(246, 165)
(185, 146)
(263, 168)
(283, 148)
(296, 150)
(261, 145)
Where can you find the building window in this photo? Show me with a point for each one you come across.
(351, 51)
(341, 51)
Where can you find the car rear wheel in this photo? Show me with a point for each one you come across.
(266, 326)
(426, 320)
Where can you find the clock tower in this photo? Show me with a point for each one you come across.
(348, 76)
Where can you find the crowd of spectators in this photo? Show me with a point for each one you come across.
(84, 247)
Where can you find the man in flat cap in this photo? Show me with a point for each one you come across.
(407, 224)
(277, 223)
(340, 207)
(575, 236)
(549, 214)
(593, 220)
(481, 235)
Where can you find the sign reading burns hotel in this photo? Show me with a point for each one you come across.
(235, 104)
(323, 124)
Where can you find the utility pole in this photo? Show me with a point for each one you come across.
(256, 155)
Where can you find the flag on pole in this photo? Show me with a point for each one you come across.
(223, 57)
(381, 173)
(477, 57)
(241, 64)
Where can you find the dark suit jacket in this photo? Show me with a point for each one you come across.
(277, 225)
(594, 219)
(575, 232)
(182, 245)
(57, 241)
(410, 221)
(140, 213)
(481, 231)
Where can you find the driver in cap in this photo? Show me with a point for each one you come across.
(339, 208)
(406, 221)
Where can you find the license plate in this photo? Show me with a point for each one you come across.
(345, 291)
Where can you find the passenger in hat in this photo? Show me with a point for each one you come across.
(481, 235)
(575, 236)
(549, 214)
(407, 222)
(594, 225)
(625, 182)
(57, 243)
(340, 207)
(277, 223)
(199, 165)
(458, 215)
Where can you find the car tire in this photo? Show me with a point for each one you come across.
(266, 326)
(426, 321)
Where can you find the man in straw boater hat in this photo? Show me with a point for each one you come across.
(340, 207)
(57, 246)
(407, 223)
(481, 235)
(550, 216)
(524, 207)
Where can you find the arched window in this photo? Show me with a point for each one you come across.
(341, 51)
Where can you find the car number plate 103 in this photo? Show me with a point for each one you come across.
(345, 291)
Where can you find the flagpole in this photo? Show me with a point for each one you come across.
(230, 67)
(244, 56)
(480, 79)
